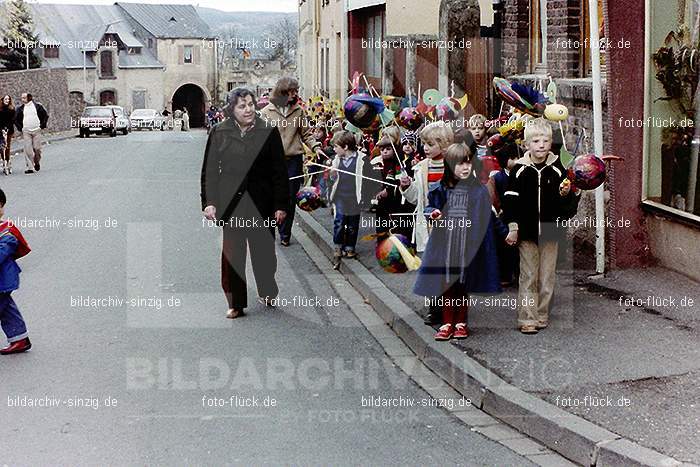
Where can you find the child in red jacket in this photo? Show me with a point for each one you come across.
(12, 247)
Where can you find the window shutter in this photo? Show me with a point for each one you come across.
(180, 54)
(196, 55)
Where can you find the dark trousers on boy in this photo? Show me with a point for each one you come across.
(346, 225)
(11, 319)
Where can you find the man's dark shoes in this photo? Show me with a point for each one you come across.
(284, 242)
(29, 171)
(37, 167)
(19, 346)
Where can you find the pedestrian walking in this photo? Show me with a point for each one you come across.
(535, 204)
(285, 112)
(7, 130)
(30, 119)
(392, 208)
(12, 247)
(460, 257)
(436, 137)
(349, 193)
(244, 189)
(185, 120)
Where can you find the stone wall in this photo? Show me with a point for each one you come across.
(564, 30)
(48, 86)
(515, 37)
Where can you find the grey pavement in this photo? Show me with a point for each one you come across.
(119, 219)
(644, 360)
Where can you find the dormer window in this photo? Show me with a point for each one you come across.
(106, 67)
(134, 50)
(173, 20)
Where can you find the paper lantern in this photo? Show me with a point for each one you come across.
(309, 198)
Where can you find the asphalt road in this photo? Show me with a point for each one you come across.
(154, 373)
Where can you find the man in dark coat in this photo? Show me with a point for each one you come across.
(244, 188)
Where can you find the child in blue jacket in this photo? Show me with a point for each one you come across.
(12, 247)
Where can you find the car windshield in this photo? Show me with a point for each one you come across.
(143, 113)
(97, 112)
(117, 111)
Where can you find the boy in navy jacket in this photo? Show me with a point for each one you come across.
(534, 204)
(12, 247)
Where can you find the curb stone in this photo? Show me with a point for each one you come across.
(571, 436)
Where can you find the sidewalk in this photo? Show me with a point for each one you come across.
(631, 368)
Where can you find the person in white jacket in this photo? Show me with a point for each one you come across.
(436, 137)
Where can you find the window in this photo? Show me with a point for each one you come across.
(150, 43)
(538, 35)
(324, 69)
(134, 50)
(672, 148)
(106, 66)
(585, 49)
(373, 55)
(51, 51)
(138, 99)
(231, 85)
(108, 98)
(188, 56)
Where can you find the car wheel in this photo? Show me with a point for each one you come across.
(82, 134)
(125, 132)
(113, 133)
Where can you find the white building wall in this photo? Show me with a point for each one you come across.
(177, 73)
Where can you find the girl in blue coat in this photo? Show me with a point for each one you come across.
(460, 257)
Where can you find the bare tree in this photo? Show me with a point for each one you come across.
(284, 33)
(225, 52)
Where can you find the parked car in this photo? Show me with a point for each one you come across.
(123, 122)
(98, 119)
(147, 118)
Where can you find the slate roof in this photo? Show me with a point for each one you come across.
(169, 21)
(79, 28)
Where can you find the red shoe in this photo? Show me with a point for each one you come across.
(444, 333)
(19, 346)
(461, 331)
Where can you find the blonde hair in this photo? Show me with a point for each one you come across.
(537, 127)
(477, 119)
(439, 133)
(392, 132)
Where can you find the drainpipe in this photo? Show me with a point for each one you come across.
(597, 136)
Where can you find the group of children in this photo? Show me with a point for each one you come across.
(467, 211)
